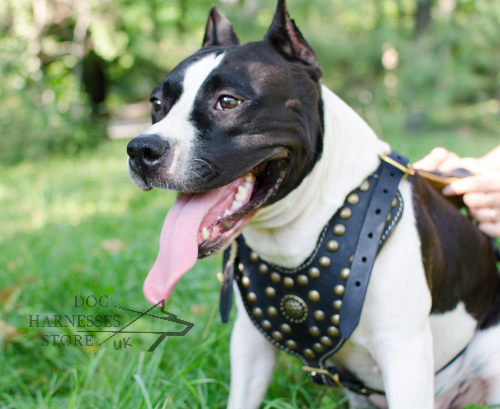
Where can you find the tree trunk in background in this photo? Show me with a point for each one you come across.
(422, 16)
(181, 23)
(401, 13)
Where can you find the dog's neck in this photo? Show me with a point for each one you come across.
(286, 232)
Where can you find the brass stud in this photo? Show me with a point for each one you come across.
(245, 281)
(286, 328)
(353, 199)
(302, 280)
(319, 315)
(332, 245)
(345, 213)
(308, 353)
(344, 273)
(333, 332)
(313, 295)
(327, 342)
(314, 331)
(272, 312)
(339, 290)
(291, 344)
(364, 186)
(394, 202)
(254, 257)
(324, 262)
(388, 218)
(252, 297)
(318, 348)
(275, 277)
(257, 312)
(337, 305)
(270, 292)
(294, 308)
(288, 282)
(314, 272)
(351, 258)
(338, 229)
(266, 325)
(263, 268)
(335, 319)
(241, 267)
(277, 336)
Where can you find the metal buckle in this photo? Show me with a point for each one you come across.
(408, 170)
(335, 377)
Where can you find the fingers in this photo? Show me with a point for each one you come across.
(482, 197)
(481, 183)
(442, 160)
(434, 160)
(490, 229)
(485, 209)
(478, 200)
(486, 214)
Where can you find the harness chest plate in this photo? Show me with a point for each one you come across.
(309, 311)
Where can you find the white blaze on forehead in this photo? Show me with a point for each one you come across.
(177, 127)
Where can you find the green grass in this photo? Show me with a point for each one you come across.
(77, 226)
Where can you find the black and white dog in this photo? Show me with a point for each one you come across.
(252, 140)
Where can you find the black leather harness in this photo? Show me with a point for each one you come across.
(311, 311)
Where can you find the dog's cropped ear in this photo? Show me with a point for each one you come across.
(219, 31)
(285, 36)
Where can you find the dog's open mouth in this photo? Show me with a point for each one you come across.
(201, 224)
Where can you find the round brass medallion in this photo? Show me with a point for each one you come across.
(294, 308)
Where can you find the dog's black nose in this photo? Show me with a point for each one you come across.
(145, 151)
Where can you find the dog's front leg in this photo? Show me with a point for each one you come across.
(407, 366)
(252, 362)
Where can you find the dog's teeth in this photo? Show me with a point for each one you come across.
(248, 177)
(243, 189)
(236, 205)
(242, 194)
(227, 213)
(205, 234)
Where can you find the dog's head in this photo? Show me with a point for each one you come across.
(235, 128)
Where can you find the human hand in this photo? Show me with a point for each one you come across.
(481, 192)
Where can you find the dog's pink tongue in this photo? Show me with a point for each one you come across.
(178, 243)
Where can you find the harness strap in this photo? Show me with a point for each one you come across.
(367, 247)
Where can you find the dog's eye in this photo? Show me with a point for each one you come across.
(156, 105)
(226, 102)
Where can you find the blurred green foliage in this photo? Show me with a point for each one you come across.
(68, 65)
